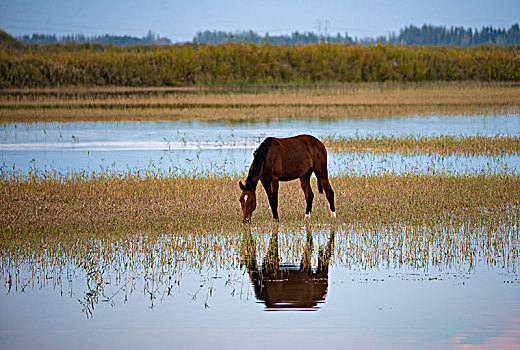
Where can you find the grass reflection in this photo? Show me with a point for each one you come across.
(103, 238)
(112, 269)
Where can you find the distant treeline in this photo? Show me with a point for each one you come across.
(410, 35)
(231, 64)
(458, 36)
(50, 39)
(296, 38)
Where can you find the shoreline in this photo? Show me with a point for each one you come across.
(121, 104)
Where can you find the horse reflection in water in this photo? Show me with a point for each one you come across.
(288, 286)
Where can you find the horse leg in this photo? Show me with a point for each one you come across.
(320, 189)
(274, 191)
(325, 184)
(273, 201)
(305, 181)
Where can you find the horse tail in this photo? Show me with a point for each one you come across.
(320, 189)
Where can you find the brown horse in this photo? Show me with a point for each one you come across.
(285, 160)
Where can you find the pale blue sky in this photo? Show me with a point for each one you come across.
(180, 20)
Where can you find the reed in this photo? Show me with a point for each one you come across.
(123, 231)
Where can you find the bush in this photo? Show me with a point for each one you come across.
(239, 63)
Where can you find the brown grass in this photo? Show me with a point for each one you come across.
(180, 204)
(468, 145)
(121, 229)
(310, 103)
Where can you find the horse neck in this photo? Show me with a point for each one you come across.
(252, 181)
(258, 166)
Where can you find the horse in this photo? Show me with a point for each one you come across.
(286, 159)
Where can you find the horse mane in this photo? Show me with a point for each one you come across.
(259, 157)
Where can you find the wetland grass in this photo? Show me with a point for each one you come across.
(112, 265)
(120, 231)
(101, 105)
(467, 145)
(101, 204)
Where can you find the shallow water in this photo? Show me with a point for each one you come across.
(365, 296)
(236, 161)
(386, 312)
(448, 288)
(222, 147)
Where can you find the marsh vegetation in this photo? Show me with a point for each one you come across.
(468, 145)
(249, 64)
(174, 242)
(48, 204)
(106, 104)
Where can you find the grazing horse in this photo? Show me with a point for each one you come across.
(285, 160)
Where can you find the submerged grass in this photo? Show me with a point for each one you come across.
(122, 233)
(467, 145)
(111, 269)
(98, 105)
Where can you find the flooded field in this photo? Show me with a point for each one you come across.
(195, 147)
(389, 287)
(128, 233)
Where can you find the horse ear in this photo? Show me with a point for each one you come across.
(242, 187)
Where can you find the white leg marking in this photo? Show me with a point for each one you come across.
(307, 216)
(333, 214)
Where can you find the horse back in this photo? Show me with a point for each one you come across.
(293, 157)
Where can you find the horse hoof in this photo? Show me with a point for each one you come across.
(307, 217)
(333, 214)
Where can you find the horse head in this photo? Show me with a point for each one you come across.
(247, 200)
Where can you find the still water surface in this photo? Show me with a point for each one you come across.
(265, 289)
(450, 289)
(194, 147)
